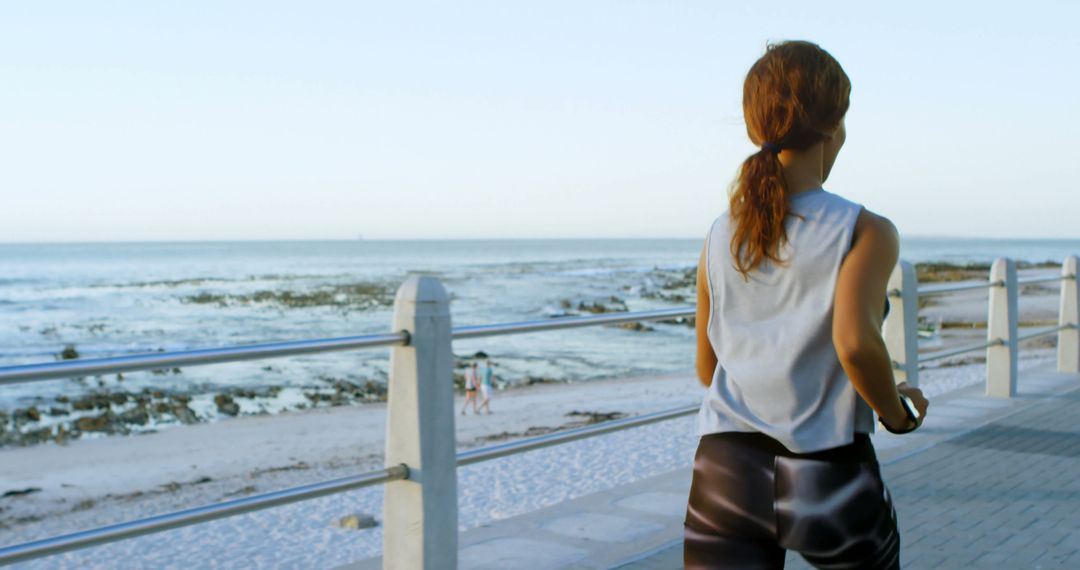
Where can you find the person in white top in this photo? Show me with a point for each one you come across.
(791, 298)
(471, 384)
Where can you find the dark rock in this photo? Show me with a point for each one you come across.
(635, 326)
(35, 436)
(612, 304)
(136, 416)
(356, 522)
(58, 412)
(377, 390)
(62, 435)
(27, 415)
(595, 417)
(69, 353)
(18, 492)
(226, 405)
(91, 401)
(247, 490)
(185, 414)
(530, 380)
(118, 398)
(102, 423)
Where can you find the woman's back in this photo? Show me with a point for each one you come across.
(777, 371)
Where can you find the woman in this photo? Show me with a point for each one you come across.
(791, 287)
(486, 385)
(470, 389)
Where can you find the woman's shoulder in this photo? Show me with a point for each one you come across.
(876, 229)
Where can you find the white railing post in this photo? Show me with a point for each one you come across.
(420, 518)
(1001, 329)
(901, 326)
(1068, 341)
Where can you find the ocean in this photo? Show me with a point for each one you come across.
(103, 299)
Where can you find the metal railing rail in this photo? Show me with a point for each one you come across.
(187, 517)
(938, 355)
(931, 290)
(568, 322)
(1044, 332)
(566, 436)
(166, 360)
(944, 289)
(159, 523)
(1032, 280)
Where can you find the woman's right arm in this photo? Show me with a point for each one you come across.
(705, 361)
(857, 318)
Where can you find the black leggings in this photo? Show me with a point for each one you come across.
(751, 500)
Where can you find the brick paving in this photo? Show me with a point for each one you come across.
(1006, 495)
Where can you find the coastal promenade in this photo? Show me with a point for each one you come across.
(985, 483)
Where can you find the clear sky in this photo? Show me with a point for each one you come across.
(323, 120)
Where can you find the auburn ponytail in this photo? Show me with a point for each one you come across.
(793, 97)
(759, 207)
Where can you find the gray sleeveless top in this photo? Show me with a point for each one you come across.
(778, 372)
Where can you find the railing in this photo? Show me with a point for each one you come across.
(420, 457)
(1002, 325)
(420, 501)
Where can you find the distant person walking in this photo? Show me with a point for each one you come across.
(486, 385)
(791, 291)
(470, 388)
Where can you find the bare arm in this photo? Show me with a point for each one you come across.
(706, 358)
(857, 316)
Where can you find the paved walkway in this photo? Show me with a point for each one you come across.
(985, 483)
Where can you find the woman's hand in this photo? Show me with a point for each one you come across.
(916, 395)
(904, 423)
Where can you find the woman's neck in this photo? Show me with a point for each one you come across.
(803, 168)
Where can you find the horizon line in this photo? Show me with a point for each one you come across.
(477, 239)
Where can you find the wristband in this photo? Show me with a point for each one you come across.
(912, 413)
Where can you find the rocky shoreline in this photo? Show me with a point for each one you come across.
(118, 412)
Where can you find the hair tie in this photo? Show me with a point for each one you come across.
(771, 147)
